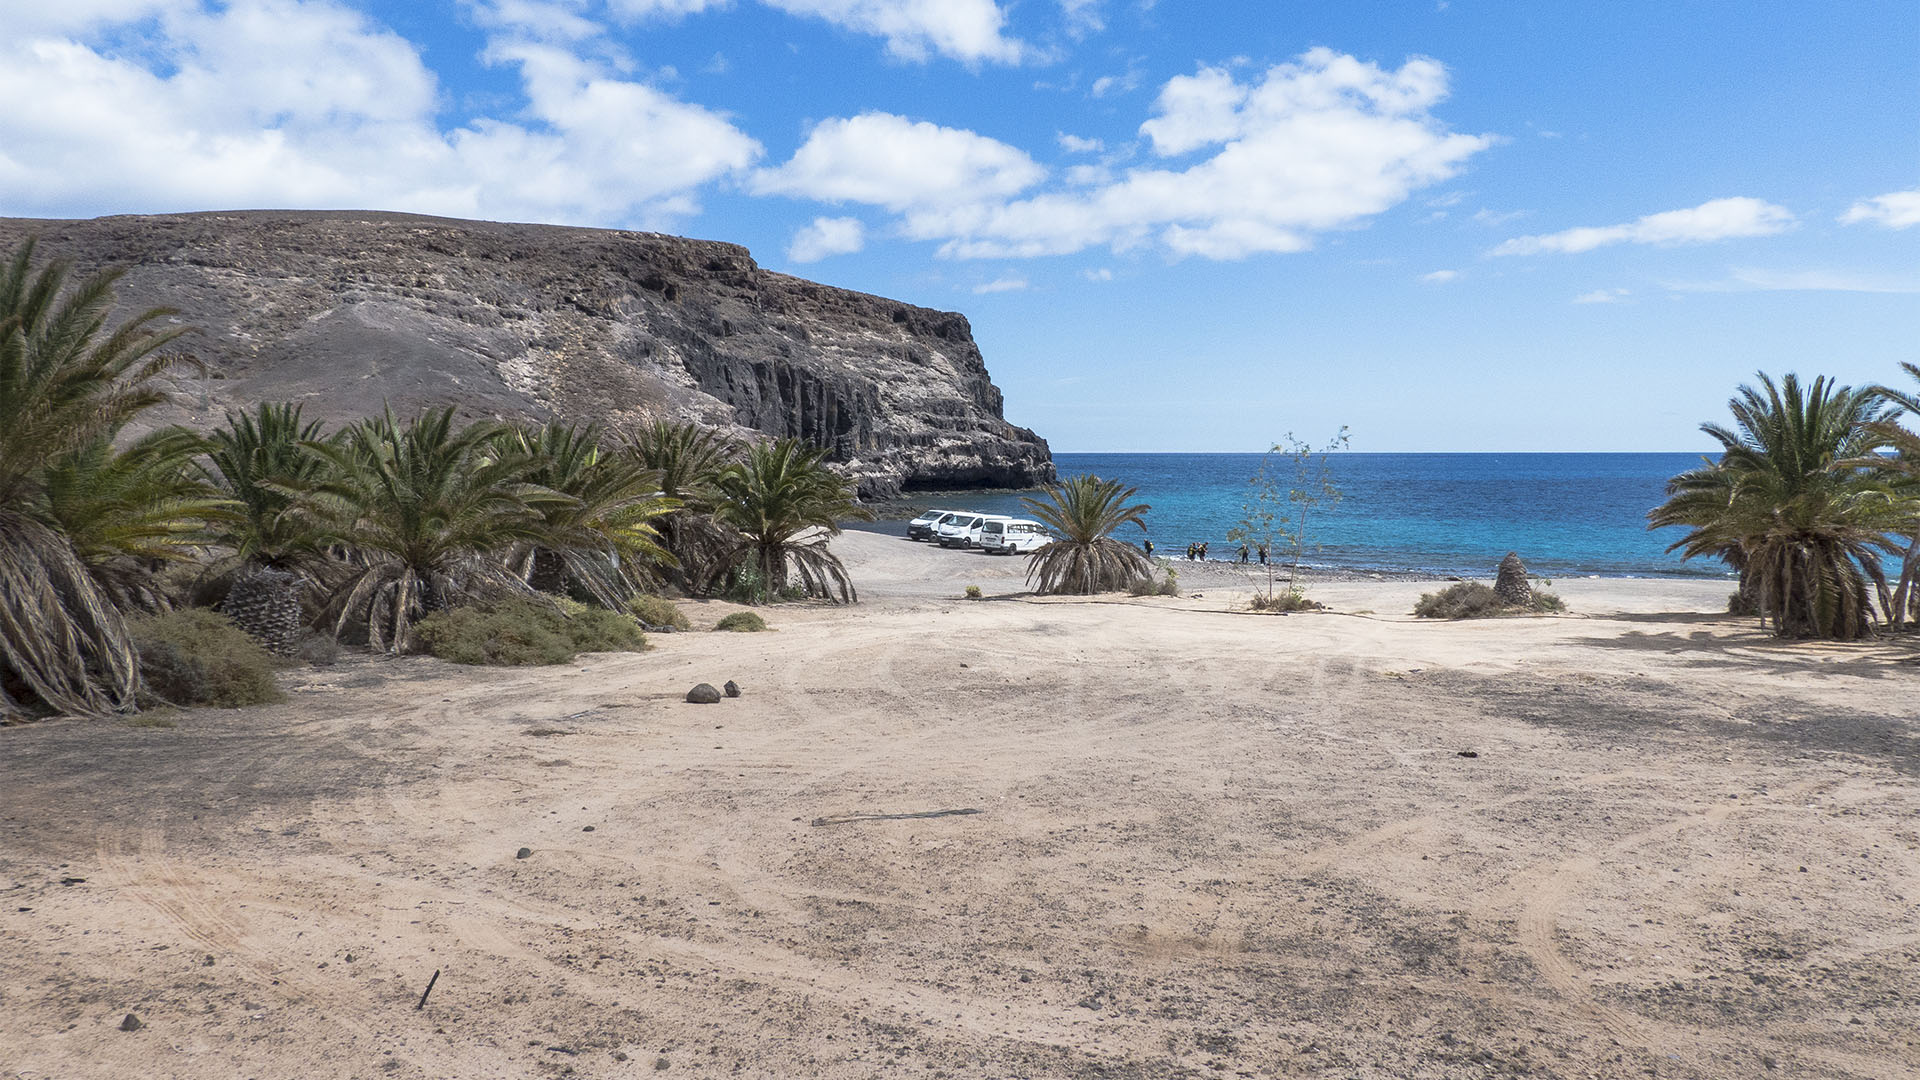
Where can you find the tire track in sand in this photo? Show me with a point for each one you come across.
(1545, 891)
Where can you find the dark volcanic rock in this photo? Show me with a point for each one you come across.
(703, 694)
(345, 311)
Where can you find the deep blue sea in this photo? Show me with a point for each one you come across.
(1566, 514)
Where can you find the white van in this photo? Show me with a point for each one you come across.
(1013, 536)
(952, 532)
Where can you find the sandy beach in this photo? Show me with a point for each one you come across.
(1639, 839)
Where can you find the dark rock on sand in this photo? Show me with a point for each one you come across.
(1511, 585)
(131, 1023)
(704, 694)
(347, 311)
(732, 688)
(523, 853)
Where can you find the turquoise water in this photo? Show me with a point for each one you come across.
(1566, 514)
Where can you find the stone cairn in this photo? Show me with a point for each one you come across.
(1511, 585)
(266, 604)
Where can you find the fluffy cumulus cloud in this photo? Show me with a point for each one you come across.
(901, 164)
(1718, 219)
(1320, 144)
(1894, 210)
(306, 103)
(826, 237)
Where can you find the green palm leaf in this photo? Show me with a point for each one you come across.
(1083, 511)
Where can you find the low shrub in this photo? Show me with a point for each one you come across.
(742, 622)
(973, 592)
(193, 656)
(1146, 586)
(1472, 600)
(1284, 600)
(517, 633)
(658, 611)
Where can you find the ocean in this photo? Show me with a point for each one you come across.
(1565, 514)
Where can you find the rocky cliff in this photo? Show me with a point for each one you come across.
(344, 311)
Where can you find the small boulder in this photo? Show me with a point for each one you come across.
(131, 1023)
(732, 688)
(1511, 585)
(523, 853)
(704, 694)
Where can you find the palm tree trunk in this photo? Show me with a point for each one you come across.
(549, 572)
(1909, 569)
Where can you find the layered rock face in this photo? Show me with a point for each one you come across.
(347, 311)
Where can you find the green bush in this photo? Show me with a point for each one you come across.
(743, 622)
(198, 657)
(515, 633)
(973, 592)
(1472, 600)
(1285, 600)
(658, 611)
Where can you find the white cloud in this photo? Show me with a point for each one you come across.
(1109, 85)
(1320, 144)
(1440, 277)
(307, 103)
(661, 9)
(1000, 285)
(1074, 144)
(1750, 279)
(1097, 274)
(1083, 16)
(897, 163)
(967, 30)
(1493, 218)
(542, 20)
(826, 237)
(1718, 219)
(1602, 296)
(1894, 210)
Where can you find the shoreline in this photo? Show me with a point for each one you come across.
(1312, 572)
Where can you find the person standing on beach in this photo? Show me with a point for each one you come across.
(1243, 553)
(1148, 544)
(1263, 553)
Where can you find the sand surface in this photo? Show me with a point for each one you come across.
(1208, 844)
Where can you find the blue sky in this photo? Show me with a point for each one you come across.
(1175, 226)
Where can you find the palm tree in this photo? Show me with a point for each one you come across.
(1785, 507)
(1083, 511)
(66, 382)
(689, 459)
(264, 462)
(1902, 473)
(602, 532)
(427, 512)
(787, 504)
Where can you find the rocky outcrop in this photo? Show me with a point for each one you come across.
(347, 311)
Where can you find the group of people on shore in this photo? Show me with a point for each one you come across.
(1197, 551)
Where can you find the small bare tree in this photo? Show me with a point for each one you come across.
(1294, 484)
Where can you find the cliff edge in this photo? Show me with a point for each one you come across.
(344, 310)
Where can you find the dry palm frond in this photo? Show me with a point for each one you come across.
(64, 644)
(1085, 559)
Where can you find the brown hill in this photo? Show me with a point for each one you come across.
(346, 310)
